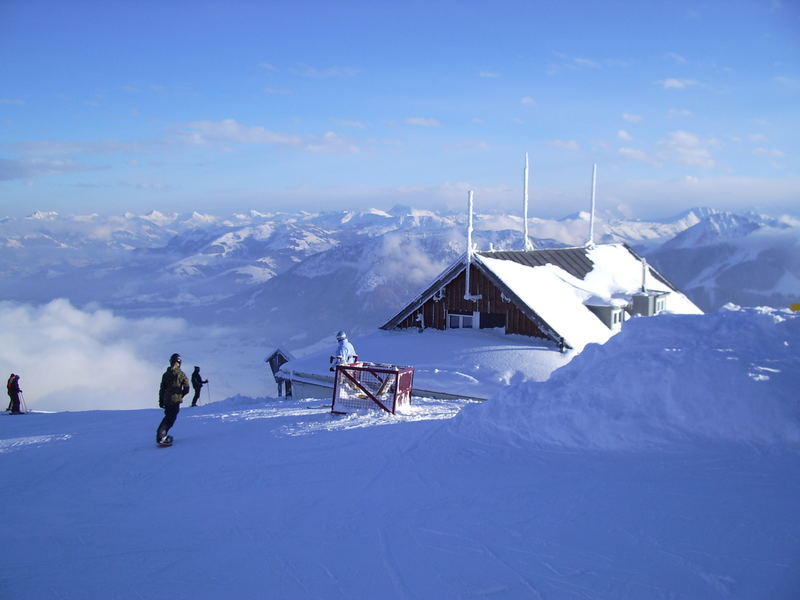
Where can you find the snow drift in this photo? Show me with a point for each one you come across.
(729, 376)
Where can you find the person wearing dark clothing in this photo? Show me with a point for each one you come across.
(8, 388)
(197, 384)
(13, 394)
(174, 386)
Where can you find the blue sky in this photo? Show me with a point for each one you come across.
(225, 106)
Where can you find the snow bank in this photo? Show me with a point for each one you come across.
(467, 362)
(729, 376)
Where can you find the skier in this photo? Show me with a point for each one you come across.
(345, 353)
(8, 387)
(174, 386)
(197, 384)
(13, 394)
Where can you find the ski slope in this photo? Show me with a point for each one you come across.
(674, 474)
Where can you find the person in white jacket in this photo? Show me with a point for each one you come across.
(345, 353)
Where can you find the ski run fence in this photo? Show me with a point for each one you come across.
(371, 386)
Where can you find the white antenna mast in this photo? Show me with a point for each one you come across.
(467, 295)
(644, 275)
(590, 243)
(469, 227)
(527, 245)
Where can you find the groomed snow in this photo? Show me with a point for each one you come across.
(467, 362)
(662, 465)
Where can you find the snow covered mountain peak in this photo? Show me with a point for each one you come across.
(713, 229)
(379, 257)
(40, 215)
(159, 218)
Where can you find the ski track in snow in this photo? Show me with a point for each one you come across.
(315, 415)
(9, 445)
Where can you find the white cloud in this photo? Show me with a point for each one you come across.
(527, 100)
(658, 198)
(229, 131)
(587, 62)
(470, 145)
(634, 154)
(331, 143)
(571, 145)
(676, 57)
(679, 112)
(489, 74)
(71, 359)
(676, 84)
(326, 73)
(631, 118)
(688, 149)
(28, 168)
(423, 122)
(624, 135)
(772, 152)
(40, 148)
(351, 123)
(787, 81)
(401, 256)
(576, 62)
(15, 101)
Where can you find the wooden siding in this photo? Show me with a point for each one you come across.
(435, 311)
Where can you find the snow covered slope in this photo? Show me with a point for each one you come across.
(749, 260)
(291, 279)
(209, 266)
(662, 465)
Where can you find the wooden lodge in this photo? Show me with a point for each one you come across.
(570, 296)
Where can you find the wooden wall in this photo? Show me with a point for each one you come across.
(435, 311)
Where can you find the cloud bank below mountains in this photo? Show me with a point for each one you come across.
(74, 359)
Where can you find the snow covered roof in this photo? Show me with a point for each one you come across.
(553, 287)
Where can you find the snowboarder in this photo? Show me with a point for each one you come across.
(174, 386)
(345, 353)
(13, 394)
(197, 384)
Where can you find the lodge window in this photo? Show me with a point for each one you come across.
(460, 321)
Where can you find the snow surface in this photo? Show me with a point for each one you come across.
(664, 464)
(467, 362)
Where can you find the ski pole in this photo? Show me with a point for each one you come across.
(208, 389)
(24, 406)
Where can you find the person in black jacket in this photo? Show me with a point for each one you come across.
(13, 394)
(174, 386)
(197, 384)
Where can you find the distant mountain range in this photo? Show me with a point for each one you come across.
(295, 277)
